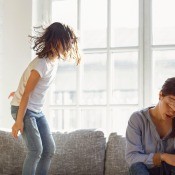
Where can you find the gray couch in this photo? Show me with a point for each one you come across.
(82, 152)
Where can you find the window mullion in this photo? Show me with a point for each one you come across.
(163, 47)
(109, 71)
(141, 55)
(80, 68)
(147, 54)
(109, 61)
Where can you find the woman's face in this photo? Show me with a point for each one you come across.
(167, 106)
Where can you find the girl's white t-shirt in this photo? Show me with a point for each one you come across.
(47, 70)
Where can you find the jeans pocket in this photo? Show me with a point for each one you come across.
(14, 111)
(14, 115)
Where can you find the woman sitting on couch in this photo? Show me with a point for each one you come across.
(150, 136)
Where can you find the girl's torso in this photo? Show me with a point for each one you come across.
(47, 70)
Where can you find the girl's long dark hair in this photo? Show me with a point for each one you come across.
(47, 43)
(168, 88)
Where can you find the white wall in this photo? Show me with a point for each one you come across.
(1, 52)
(17, 22)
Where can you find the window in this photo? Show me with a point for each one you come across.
(127, 54)
(163, 43)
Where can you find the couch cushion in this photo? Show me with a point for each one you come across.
(12, 154)
(79, 153)
(115, 156)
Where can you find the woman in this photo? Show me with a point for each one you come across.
(150, 136)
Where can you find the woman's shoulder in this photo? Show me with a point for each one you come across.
(140, 115)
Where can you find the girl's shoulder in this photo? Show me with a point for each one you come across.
(38, 61)
(38, 64)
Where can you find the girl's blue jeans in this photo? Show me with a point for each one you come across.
(39, 142)
(140, 168)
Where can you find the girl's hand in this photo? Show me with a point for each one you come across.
(168, 158)
(18, 126)
(11, 94)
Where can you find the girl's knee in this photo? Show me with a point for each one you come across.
(52, 148)
(35, 153)
(49, 151)
(38, 154)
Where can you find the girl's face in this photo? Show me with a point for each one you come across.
(166, 106)
(61, 50)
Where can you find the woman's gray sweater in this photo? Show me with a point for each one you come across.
(143, 139)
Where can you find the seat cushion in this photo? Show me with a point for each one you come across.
(81, 152)
(115, 163)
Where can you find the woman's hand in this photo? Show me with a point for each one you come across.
(11, 94)
(18, 126)
(168, 158)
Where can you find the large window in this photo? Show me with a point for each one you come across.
(163, 43)
(128, 48)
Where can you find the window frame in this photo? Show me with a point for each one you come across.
(144, 49)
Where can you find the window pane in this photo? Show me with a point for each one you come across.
(119, 119)
(56, 120)
(124, 23)
(94, 118)
(71, 120)
(94, 23)
(63, 90)
(163, 22)
(66, 119)
(125, 78)
(163, 68)
(65, 11)
(94, 80)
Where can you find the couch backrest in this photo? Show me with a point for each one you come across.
(115, 163)
(12, 154)
(81, 152)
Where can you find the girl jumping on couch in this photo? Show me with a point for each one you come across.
(57, 41)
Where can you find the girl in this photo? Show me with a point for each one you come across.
(150, 136)
(57, 41)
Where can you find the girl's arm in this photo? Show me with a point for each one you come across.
(31, 83)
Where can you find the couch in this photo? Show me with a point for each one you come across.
(81, 152)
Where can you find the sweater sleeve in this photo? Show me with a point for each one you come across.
(134, 148)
